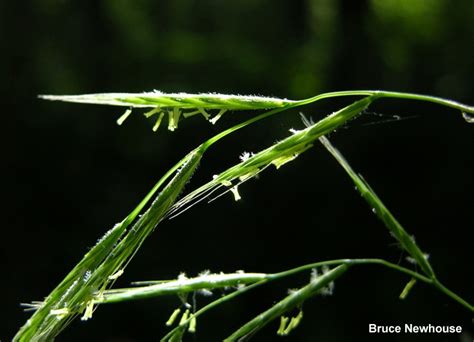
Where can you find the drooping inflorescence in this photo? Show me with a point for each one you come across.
(86, 285)
(213, 105)
(176, 105)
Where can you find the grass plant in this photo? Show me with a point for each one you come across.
(89, 284)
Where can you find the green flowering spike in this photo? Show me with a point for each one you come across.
(175, 103)
(202, 103)
(181, 286)
(179, 100)
(86, 283)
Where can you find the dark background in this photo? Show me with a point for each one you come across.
(70, 173)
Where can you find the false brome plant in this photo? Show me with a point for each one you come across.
(88, 284)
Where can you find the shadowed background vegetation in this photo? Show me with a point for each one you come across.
(70, 172)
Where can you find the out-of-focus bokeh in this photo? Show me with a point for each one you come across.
(70, 173)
